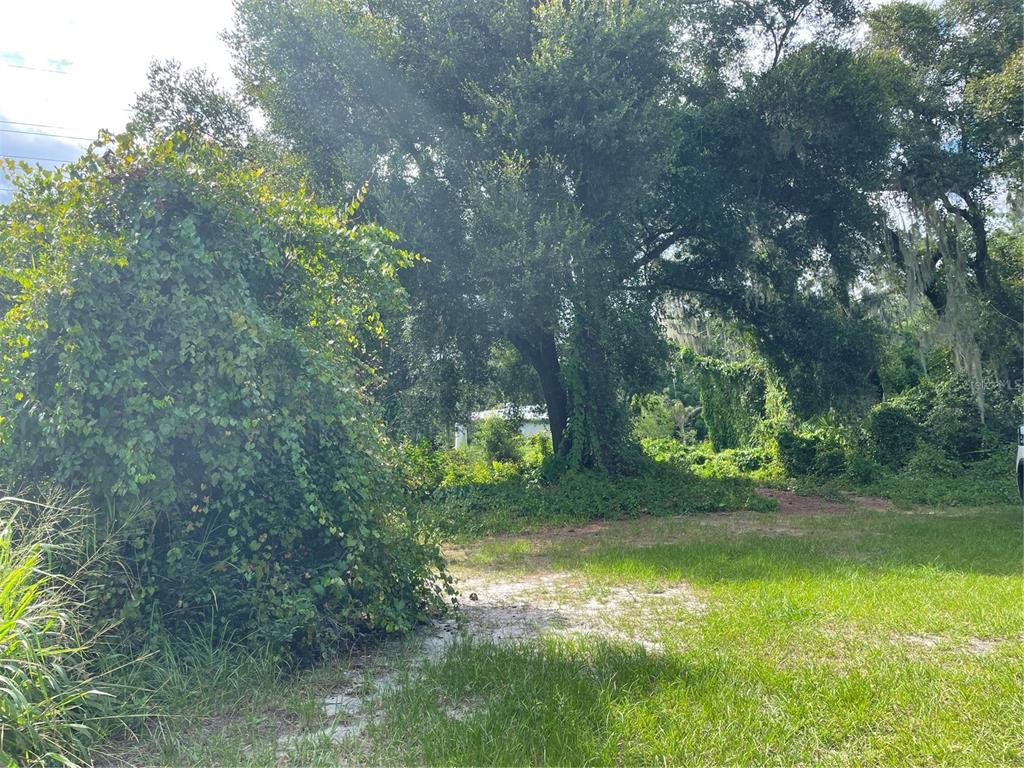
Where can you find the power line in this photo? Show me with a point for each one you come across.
(37, 69)
(32, 125)
(46, 135)
(45, 159)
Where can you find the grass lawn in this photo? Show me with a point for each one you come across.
(821, 633)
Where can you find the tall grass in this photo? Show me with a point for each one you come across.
(177, 684)
(52, 698)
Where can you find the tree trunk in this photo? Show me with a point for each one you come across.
(975, 218)
(542, 354)
(977, 222)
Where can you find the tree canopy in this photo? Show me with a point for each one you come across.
(563, 166)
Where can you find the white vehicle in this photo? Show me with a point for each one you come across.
(1020, 461)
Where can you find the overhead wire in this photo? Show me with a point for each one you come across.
(34, 125)
(36, 69)
(35, 157)
(45, 135)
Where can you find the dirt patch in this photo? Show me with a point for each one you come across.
(793, 504)
(920, 641)
(463, 710)
(509, 610)
(506, 610)
(557, 531)
(978, 646)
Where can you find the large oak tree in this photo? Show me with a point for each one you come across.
(564, 165)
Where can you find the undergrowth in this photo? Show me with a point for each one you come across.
(54, 698)
(516, 498)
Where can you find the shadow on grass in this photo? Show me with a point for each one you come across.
(594, 702)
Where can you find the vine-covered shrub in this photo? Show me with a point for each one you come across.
(427, 469)
(892, 432)
(178, 334)
(736, 398)
(659, 417)
(796, 453)
(953, 421)
(943, 413)
(812, 453)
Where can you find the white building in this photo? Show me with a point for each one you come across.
(535, 421)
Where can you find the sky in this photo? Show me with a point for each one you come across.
(69, 68)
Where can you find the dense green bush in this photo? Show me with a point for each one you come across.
(668, 450)
(930, 477)
(741, 402)
(659, 417)
(423, 467)
(537, 450)
(427, 469)
(499, 438)
(178, 334)
(812, 453)
(861, 468)
(797, 453)
(703, 460)
(943, 412)
(468, 465)
(731, 399)
(830, 458)
(893, 434)
(953, 421)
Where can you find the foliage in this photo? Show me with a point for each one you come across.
(756, 462)
(941, 411)
(797, 453)
(665, 449)
(179, 335)
(519, 502)
(929, 478)
(825, 354)
(565, 166)
(953, 422)
(190, 103)
(537, 450)
(735, 398)
(53, 698)
(661, 417)
(955, 71)
(500, 438)
(536, 135)
(934, 479)
(893, 433)
(900, 364)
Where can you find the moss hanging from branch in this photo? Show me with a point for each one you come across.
(936, 272)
